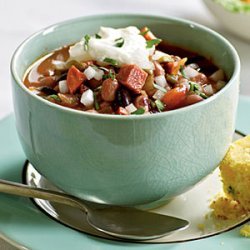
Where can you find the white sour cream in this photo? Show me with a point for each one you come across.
(133, 50)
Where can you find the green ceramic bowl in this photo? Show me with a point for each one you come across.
(126, 160)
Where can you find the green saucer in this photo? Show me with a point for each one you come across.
(21, 221)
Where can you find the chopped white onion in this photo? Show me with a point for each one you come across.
(87, 98)
(218, 75)
(89, 72)
(208, 90)
(185, 82)
(194, 66)
(63, 87)
(158, 94)
(157, 55)
(131, 108)
(190, 72)
(161, 57)
(161, 80)
(59, 65)
(98, 74)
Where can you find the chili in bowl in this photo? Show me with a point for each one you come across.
(134, 129)
(124, 71)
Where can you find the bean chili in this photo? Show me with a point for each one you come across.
(178, 78)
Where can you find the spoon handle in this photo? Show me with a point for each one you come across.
(19, 189)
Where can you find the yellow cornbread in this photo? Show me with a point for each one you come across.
(245, 231)
(235, 172)
(234, 203)
(227, 209)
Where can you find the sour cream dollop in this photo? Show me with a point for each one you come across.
(125, 46)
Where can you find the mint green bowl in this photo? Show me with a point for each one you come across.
(126, 160)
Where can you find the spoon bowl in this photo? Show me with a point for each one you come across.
(134, 224)
(123, 222)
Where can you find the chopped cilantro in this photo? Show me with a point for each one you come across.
(204, 96)
(160, 88)
(55, 97)
(194, 86)
(159, 105)
(139, 111)
(120, 42)
(86, 43)
(110, 61)
(182, 71)
(97, 36)
(152, 42)
(110, 74)
(96, 104)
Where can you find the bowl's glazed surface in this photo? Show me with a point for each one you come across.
(131, 160)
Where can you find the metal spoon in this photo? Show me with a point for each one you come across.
(122, 222)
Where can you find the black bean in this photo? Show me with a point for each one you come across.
(125, 97)
(118, 100)
(122, 98)
(61, 77)
(48, 91)
(118, 97)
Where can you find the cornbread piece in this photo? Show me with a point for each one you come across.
(227, 209)
(235, 172)
(245, 231)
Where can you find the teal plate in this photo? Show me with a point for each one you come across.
(21, 221)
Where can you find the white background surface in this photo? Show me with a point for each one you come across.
(20, 18)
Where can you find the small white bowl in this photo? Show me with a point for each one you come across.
(237, 22)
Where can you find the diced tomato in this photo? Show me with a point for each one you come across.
(175, 98)
(148, 35)
(132, 77)
(74, 79)
(173, 67)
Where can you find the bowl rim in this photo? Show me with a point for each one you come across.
(181, 21)
(243, 9)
